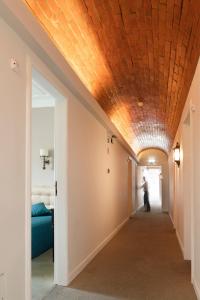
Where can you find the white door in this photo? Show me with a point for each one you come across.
(140, 193)
(61, 211)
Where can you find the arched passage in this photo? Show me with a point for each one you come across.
(155, 158)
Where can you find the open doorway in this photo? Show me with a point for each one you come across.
(48, 187)
(153, 175)
(43, 191)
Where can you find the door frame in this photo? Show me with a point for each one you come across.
(61, 253)
(160, 182)
(139, 201)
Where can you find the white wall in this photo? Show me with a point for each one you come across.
(195, 120)
(171, 186)
(184, 203)
(97, 201)
(140, 193)
(181, 183)
(132, 191)
(42, 137)
(12, 164)
(13, 214)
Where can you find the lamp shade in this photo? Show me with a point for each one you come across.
(44, 152)
(177, 154)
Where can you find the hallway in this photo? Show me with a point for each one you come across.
(143, 262)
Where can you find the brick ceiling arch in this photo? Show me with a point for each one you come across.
(127, 51)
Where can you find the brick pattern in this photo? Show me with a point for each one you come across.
(125, 50)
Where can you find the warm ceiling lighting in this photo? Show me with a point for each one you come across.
(129, 73)
(140, 103)
(151, 161)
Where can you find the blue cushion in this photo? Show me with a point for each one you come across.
(39, 209)
(42, 234)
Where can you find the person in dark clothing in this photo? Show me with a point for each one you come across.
(144, 186)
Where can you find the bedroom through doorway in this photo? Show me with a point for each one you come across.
(47, 179)
(43, 187)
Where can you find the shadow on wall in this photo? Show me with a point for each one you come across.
(156, 157)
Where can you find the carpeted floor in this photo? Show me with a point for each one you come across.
(42, 275)
(143, 262)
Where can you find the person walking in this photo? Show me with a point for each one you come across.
(144, 186)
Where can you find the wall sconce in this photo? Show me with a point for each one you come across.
(129, 159)
(44, 154)
(177, 154)
(112, 138)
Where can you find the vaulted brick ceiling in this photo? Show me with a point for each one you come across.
(130, 50)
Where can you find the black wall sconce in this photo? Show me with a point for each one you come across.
(44, 154)
(112, 138)
(177, 154)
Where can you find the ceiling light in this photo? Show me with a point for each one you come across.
(140, 103)
(151, 160)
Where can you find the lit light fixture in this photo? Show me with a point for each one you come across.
(151, 160)
(177, 154)
(129, 158)
(44, 154)
(112, 138)
(140, 103)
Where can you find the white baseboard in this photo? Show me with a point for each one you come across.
(132, 214)
(196, 288)
(139, 207)
(180, 243)
(178, 237)
(135, 211)
(88, 259)
(172, 222)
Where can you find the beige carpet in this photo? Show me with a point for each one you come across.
(143, 262)
(42, 275)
